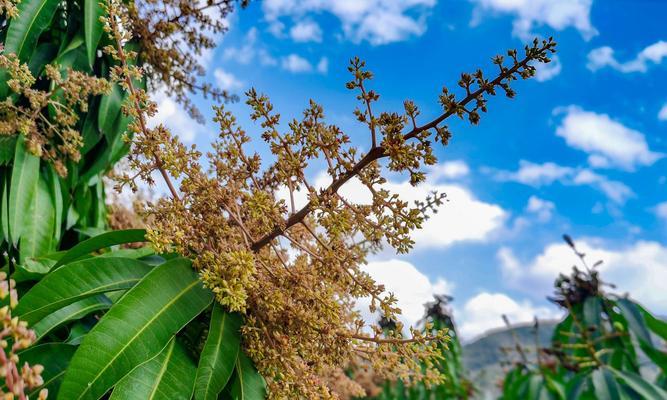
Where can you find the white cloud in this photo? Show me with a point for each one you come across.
(462, 217)
(608, 142)
(252, 51)
(448, 170)
(323, 65)
(604, 57)
(412, 288)
(639, 269)
(485, 310)
(375, 21)
(306, 31)
(661, 210)
(530, 14)
(545, 72)
(174, 117)
(662, 114)
(226, 80)
(537, 175)
(295, 63)
(542, 209)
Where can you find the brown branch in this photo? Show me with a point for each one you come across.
(378, 152)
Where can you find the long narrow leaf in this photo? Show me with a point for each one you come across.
(135, 329)
(217, 360)
(38, 234)
(168, 376)
(77, 281)
(92, 11)
(644, 388)
(25, 174)
(605, 385)
(100, 242)
(72, 312)
(247, 383)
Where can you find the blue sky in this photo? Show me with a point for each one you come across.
(580, 150)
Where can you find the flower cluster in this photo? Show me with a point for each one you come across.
(173, 35)
(14, 337)
(296, 273)
(47, 118)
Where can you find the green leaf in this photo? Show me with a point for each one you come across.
(170, 376)
(77, 281)
(100, 242)
(605, 385)
(217, 360)
(24, 31)
(38, 234)
(635, 320)
(656, 325)
(4, 208)
(7, 146)
(55, 358)
(34, 17)
(135, 329)
(71, 312)
(57, 198)
(25, 175)
(645, 389)
(92, 11)
(247, 383)
(108, 112)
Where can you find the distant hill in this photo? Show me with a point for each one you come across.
(482, 356)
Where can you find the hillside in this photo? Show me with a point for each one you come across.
(482, 357)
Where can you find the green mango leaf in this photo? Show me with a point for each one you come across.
(4, 208)
(77, 281)
(605, 385)
(24, 31)
(38, 233)
(217, 360)
(34, 268)
(135, 329)
(246, 383)
(100, 242)
(656, 325)
(90, 133)
(71, 312)
(168, 376)
(7, 146)
(44, 54)
(55, 358)
(108, 112)
(635, 320)
(645, 389)
(92, 11)
(25, 175)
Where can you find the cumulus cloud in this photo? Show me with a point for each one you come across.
(449, 170)
(295, 63)
(662, 114)
(604, 57)
(462, 217)
(375, 21)
(174, 117)
(639, 269)
(537, 175)
(323, 65)
(252, 51)
(661, 210)
(484, 312)
(542, 209)
(608, 142)
(412, 288)
(545, 72)
(531, 14)
(306, 31)
(226, 80)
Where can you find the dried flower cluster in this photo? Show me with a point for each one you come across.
(14, 337)
(173, 36)
(47, 117)
(295, 273)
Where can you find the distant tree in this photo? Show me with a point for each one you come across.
(595, 351)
